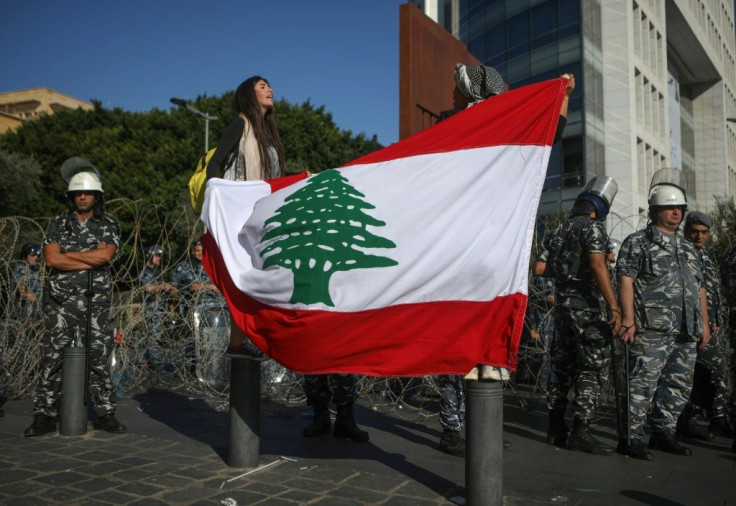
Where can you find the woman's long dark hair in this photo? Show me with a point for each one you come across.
(264, 126)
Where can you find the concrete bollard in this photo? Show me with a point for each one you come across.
(73, 408)
(484, 443)
(245, 413)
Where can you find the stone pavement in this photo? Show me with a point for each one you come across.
(175, 453)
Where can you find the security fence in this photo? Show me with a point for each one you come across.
(194, 331)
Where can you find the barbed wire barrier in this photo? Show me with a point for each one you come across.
(194, 331)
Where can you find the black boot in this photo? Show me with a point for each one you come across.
(635, 450)
(666, 442)
(581, 440)
(558, 429)
(345, 424)
(42, 424)
(321, 423)
(721, 426)
(689, 428)
(453, 443)
(109, 423)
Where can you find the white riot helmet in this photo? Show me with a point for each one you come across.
(84, 181)
(668, 188)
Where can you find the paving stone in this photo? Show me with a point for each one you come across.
(59, 479)
(333, 474)
(149, 501)
(96, 484)
(376, 481)
(359, 494)
(187, 495)
(412, 501)
(335, 501)
(21, 488)
(133, 474)
(299, 496)
(135, 461)
(103, 468)
(168, 481)
(15, 475)
(240, 496)
(269, 489)
(114, 496)
(49, 465)
(415, 489)
(310, 485)
(59, 495)
(196, 473)
(97, 456)
(27, 501)
(192, 450)
(140, 489)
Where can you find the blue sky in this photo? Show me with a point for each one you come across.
(137, 54)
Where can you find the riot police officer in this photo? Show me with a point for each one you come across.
(587, 314)
(78, 247)
(665, 316)
(26, 282)
(156, 294)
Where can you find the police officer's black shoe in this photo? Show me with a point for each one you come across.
(109, 423)
(42, 424)
(690, 429)
(452, 443)
(345, 426)
(581, 440)
(721, 426)
(320, 424)
(635, 450)
(666, 442)
(558, 430)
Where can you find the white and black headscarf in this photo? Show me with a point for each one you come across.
(478, 82)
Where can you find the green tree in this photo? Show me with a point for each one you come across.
(320, 230)
(20, 186)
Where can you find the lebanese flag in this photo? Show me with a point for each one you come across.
(412, 260)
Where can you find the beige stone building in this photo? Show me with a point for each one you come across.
(19, 106)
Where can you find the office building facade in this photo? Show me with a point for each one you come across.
(656, 85)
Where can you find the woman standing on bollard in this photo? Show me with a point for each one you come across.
(249, 150)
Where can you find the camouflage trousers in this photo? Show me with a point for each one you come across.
(153, 317)
(321, 388)
(452, 402)
(661, 372)
(580, 356)
(63, 321)
(712, 380)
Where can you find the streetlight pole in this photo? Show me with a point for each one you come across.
(207, 118)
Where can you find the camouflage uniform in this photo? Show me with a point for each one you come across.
(154, 312)
(452, 402)
(66, 314)
(580, 352)
(321, 388)
(712, 391)
(25, 274)
(187, 273)
(668, 319)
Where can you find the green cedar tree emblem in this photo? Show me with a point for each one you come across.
(321, 229)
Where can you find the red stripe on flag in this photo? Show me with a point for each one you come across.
(282, 182)
(524, 116)
(405, 340)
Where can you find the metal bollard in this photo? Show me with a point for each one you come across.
(484, 443)
(73, 409)
(245, 413)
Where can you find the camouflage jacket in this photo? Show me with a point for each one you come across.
(72, 235)
(717, 312)
(155, 300)
(30, 277)
(666, 285)
(569, 246)
(187, 273)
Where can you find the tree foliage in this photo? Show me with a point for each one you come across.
(150, 156)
